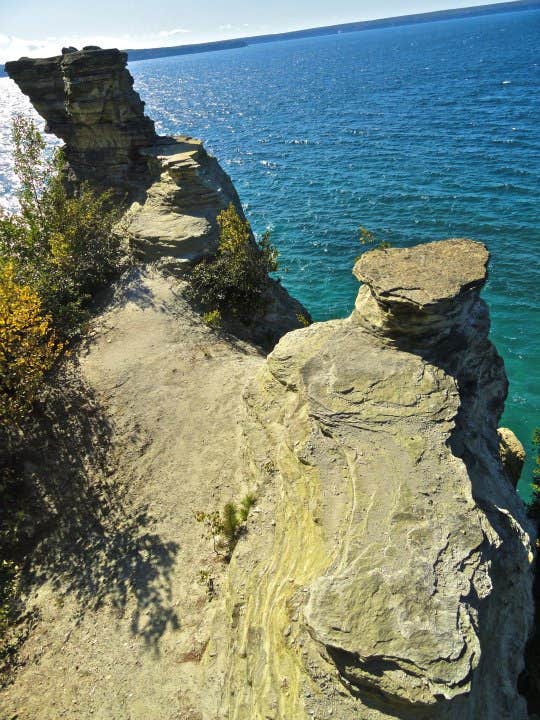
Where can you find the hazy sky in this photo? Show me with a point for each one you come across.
(41, 27)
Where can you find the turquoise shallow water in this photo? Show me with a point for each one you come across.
(418, 133)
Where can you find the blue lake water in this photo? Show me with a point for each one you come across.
(417, 133)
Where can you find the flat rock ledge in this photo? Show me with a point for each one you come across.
(387, 571)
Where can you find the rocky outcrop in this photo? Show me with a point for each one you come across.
(512, 454)
(387, 572)
(173, 190)
(87, 100)
(173, 221)
(177, 189)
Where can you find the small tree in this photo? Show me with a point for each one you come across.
(228, 524)
(62, 245)
(235, 281)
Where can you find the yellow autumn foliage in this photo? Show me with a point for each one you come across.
(28, 347)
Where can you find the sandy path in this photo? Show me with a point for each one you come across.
(121, 628)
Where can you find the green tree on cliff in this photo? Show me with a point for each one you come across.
(235, 281)
(56, 250)
(61, 244)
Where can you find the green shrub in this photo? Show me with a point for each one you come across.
(62, 245)
(228, 523)
(55, 252)
(303, 320)
(534, 506)
(247, 502)
(236, 280)
(212, 318)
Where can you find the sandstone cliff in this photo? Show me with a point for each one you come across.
(87, 99)
(171, 189)
(397, 580)
(385, 569)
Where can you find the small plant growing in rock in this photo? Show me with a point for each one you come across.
(534, 506)
(366, 237)
(226, 526)
(212, 318)
(303, 320)
(247, 502)
(212, 524)
(230, 526)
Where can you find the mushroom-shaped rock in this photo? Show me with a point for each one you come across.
(396, 579)
(424, 291)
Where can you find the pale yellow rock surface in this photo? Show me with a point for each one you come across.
(397, 580)
(384, 571)
(512, 454)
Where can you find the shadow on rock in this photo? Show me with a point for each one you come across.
(76, 528)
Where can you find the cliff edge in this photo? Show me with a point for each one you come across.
(397, 580)
(171, 190)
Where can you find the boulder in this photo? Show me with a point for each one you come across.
(512, 454)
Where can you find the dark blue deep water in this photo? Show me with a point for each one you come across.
(417, 133)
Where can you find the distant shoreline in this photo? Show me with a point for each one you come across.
(437, 15)
(418, 18)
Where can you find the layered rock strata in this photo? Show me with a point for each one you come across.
(87, 100)
(174, 220)
(172, 189)
(386, 573)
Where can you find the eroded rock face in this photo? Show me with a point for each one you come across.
(174, 187)
(175, 218)
(87, 100)
(171, 188)
(397, 579)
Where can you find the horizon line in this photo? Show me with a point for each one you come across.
(163, 51)
(501, 6)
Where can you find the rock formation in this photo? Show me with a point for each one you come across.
(174, 190)
(385, 570)
(512, 454)
(87, 100)
(397, 582)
